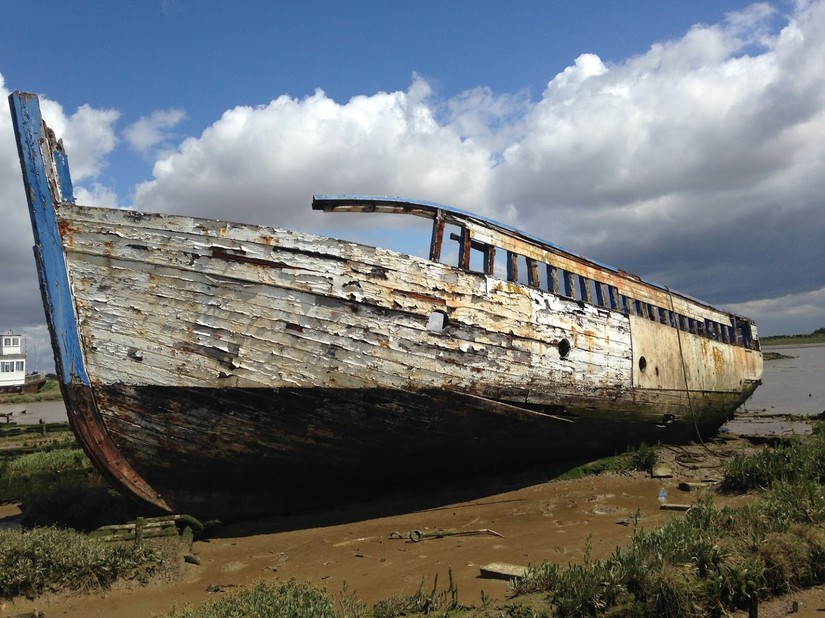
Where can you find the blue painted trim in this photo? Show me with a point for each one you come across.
(51, 261)
(61, 162)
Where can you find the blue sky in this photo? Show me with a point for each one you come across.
(205, 57)
(678, 140)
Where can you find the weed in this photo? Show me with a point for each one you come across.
(290, 599)
(420, 603)
(48, 559)
(645, 457)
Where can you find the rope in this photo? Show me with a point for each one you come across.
(684, 369)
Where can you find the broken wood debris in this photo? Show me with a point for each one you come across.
(503, 570)
(672, 506)
(661, 471)
(150, 527)
(417, 536)
(697, 485)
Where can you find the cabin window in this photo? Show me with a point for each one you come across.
(569, 284)
(598, 294)
(482, 257)
(532, 273)
(613, 296)
(553, 279)
(18, 365)
(512, 266)
(6, 341)
(625, 304)
(584, 289)
(7, 366)
(449, 254)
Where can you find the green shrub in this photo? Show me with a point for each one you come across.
(49, 560)
(59, 487)
(795, 460)
(273, 599)
(420, 603)
(645, 457)
(710, 560)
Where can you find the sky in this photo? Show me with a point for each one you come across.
(680, 141)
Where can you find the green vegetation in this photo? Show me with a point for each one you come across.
(420, 603)
(818, 336)
(57, 485)
(708, 563)
(50, 560)
(49, 392)
(288, 599)
(642, 459)
(798, 460)
(712, 560)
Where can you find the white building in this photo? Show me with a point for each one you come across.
(12, 362)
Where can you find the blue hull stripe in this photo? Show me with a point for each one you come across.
(51, 261)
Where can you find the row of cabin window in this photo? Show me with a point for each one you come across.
(527, 271)
(11, 366)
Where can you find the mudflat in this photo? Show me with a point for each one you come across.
(368, 546)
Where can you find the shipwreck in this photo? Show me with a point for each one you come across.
(224, 369)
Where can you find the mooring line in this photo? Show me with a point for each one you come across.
(684, 368)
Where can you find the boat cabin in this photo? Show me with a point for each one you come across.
(491, 248)
(12, 362)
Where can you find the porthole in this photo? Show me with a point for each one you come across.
(437, 321)
(642, 363)
(564, 348)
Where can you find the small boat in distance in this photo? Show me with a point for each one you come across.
(224, 369)
(13, 375)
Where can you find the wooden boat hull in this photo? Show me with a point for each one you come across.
(230, 452)
(204, 365)
(225, 369)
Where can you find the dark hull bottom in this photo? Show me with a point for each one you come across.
(235, 452)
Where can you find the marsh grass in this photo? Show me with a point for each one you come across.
(289, 599)
(440, 601)
(796, 460)
(60, 487)
(712, 560)
(50, 560)
(642, 458)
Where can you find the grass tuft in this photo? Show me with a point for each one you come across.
(49, 560)
(290, 599)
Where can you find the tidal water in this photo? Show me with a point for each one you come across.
(33, 412)
(794, 385)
